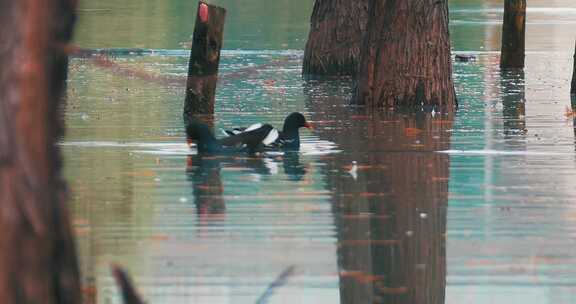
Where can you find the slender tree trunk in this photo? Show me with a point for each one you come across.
(204, 60)
(573, 86)
(37, 256)
(336, 29)
(513, 32)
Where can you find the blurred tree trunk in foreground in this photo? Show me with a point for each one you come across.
(405, 57)
(37, 255)
(336, 29)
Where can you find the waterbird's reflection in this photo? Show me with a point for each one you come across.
(204, 173)
(512, 84)
(389, 193)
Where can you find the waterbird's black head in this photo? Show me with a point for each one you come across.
(295, 121)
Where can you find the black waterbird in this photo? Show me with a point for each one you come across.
(288, 138)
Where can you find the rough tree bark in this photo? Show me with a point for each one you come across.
(405, 58)
(37, 256)
(204, 61)
(335, 37)
(513, 32)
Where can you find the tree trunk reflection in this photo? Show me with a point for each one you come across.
(389, 204)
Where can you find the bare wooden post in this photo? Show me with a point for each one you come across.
(513, 32)
(573, 86)
(336, 29)
(37, 256)
(405, 58)
(204, 60)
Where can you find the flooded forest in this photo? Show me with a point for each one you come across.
(467, 199)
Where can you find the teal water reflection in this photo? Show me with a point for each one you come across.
(407, 208)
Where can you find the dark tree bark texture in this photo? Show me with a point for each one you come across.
(405, 58)
(513, 34)
(573, 86)
(204, 60)
(336, 29)
(37, 256)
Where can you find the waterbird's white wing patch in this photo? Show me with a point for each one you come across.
(253, 127)
(271, 137)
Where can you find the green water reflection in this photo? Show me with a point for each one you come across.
(369, 210)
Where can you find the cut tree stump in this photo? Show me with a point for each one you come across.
(513, 34)
(204, 61)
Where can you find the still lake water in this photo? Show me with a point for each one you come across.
(478, 207)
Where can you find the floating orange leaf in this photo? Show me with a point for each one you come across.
(569, 112)
(159, 237)
(142, 173)
(361, 277)
(411, 132)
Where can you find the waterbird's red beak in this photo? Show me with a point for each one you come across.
(308, 125)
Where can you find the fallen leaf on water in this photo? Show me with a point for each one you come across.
(371, 194)
(569, 112)
(81, 231)
(361, 277)
(159, 237)
(411, 132)
(142, 173)
(204, 187)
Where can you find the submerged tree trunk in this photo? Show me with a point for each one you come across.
(405, 58)
(513, 32)
(204, 61)
(573, 86)
(336, 29)
(37, 255)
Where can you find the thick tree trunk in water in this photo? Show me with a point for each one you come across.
(37, 255)
(513, 32)
(405, 58)
(336, 29)
(204, 60)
